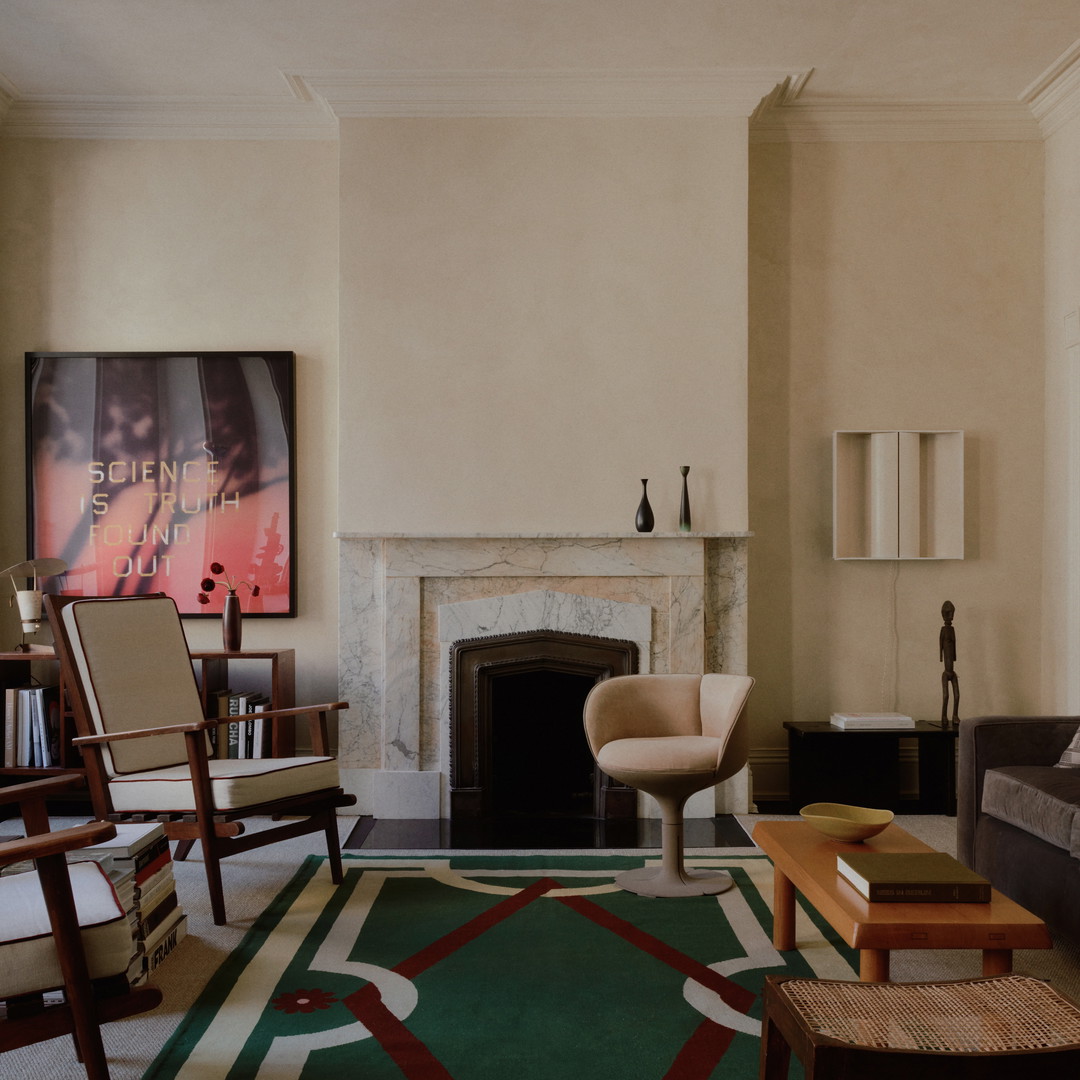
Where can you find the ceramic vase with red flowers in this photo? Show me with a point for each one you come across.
(232, 627)
(232, 623)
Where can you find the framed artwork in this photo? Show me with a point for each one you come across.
(143, 469)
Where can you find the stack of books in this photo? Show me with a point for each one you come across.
(247, 738)
(912, 876)
(139, 864)
(850, 721)
(31, 735)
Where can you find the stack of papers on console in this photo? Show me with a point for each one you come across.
(851, 720)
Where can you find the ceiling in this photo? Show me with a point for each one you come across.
(248, 53)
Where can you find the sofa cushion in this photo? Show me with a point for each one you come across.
(1070, 756)
(1040, 799)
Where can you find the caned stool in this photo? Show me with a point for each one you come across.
(992, 1028)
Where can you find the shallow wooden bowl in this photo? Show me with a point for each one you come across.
(847, 823)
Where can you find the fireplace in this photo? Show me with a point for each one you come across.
(517, 742)
(680, 599)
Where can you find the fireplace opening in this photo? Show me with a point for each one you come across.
(541, 762)
(517, 739)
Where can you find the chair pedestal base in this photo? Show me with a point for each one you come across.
(671, 878)
(654, 881)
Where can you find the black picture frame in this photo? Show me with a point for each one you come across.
(143, 468)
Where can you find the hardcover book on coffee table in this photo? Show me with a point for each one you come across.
(927, 876)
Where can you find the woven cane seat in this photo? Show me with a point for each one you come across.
(1010, 1012)
(1000, 1020)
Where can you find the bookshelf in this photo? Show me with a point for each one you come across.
(271, 670)
(274, 669)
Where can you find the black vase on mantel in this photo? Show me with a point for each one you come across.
(684, 506)
(644, 521)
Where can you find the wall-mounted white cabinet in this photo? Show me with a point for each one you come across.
(898, 495)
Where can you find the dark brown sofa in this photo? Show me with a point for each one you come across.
(1018, 817)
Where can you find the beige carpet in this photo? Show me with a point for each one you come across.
(252, 880)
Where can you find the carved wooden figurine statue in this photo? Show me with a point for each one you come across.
(947, 653)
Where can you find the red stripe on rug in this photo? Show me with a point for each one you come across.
(703, 1051)
(738, 997)
(408, 1053)
(439, 950)
(700, 1055)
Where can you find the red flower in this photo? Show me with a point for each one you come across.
(208, 584)
(304, 1001)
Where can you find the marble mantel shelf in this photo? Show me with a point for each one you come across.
(543, 536)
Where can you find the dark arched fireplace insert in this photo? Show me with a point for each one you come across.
(517, 741)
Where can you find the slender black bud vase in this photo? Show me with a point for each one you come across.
(684, 506)
(644, 520)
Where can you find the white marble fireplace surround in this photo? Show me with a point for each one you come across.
(406, 598)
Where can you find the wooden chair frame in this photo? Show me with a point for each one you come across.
(87, 1004)
(220, 832)
(784, 1032)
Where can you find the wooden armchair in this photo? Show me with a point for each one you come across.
(63, 929)
(146, 742)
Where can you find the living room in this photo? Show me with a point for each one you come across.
(527, 255)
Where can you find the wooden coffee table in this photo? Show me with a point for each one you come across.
(804, 859)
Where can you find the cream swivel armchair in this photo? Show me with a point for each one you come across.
(669, 735)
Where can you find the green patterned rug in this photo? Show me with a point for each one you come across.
(485, 967)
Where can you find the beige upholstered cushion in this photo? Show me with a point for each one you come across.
(28, 961)
(673, 753)
(636, 707)
(235, 783)
(133, 659)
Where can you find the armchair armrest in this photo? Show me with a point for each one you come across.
(142, 733)
(38, 789)
(60, 842)
(300, 710)
(991, 742)
(316, 714)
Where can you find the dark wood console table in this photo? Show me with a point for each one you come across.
(862, 766)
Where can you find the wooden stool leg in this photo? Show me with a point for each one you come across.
(775, 1053)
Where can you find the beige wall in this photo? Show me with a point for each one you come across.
(1061, 585)
(587, 278)
(158, 245)
(535, 315)
(893, 286)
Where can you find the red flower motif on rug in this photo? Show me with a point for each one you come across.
(304, 1001)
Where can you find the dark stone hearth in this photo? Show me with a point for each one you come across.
(524, 833)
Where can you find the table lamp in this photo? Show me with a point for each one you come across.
(29, 600)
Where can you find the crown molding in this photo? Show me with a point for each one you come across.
(551, 93)
(899, 121)
(1054, 97)
(319, 98)
(165, 118)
